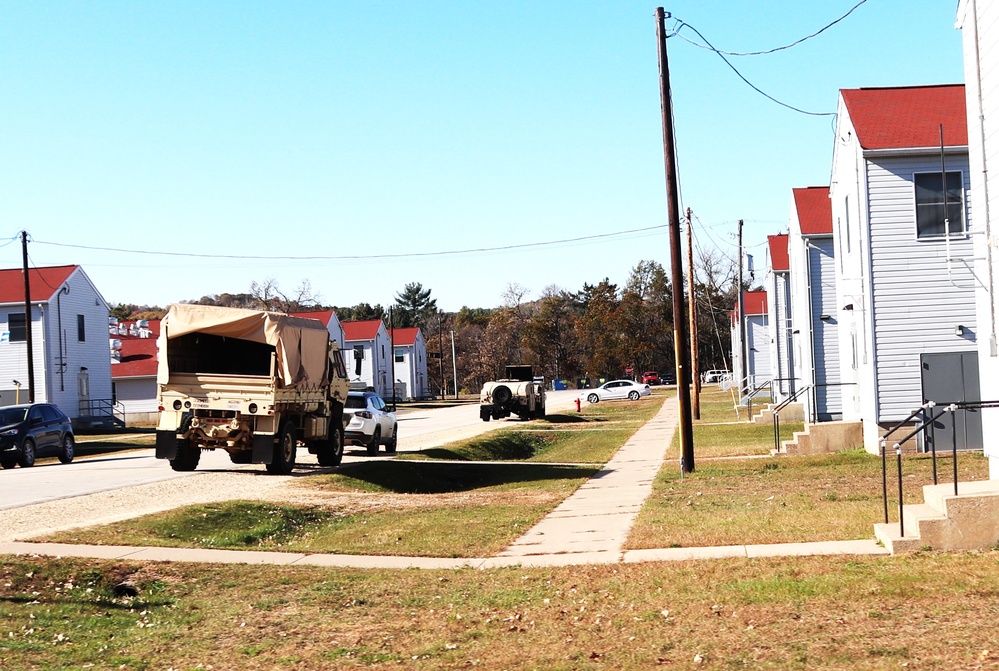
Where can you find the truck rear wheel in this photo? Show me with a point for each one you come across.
(284, 452)
(330, 451)
(187, 458)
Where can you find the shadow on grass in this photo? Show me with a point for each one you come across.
(573, 419)
(421, 477)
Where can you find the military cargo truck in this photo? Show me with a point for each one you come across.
(255, 384)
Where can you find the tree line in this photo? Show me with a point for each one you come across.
(601, 330)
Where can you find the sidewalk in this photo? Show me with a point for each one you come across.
(589, 527)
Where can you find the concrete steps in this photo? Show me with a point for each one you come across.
(792, 412)
(823, 438)
(945, 521)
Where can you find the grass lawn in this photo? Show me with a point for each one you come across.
(408, 507)
(782, 499)
(924, 611)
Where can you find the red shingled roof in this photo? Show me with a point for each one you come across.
(322, 315)
(138, 355)
(906, 117)
(778, 253)
(814, 210)
(405, 336)
(366, 330)
(44, 283)
(755, 302)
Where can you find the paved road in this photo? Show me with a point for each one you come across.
(418, 430)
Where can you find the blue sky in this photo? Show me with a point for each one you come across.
(359, 129)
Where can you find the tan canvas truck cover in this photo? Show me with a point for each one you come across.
(302, 345)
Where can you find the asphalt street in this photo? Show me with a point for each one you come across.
(418, 429)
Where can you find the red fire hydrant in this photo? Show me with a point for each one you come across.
(578, 409)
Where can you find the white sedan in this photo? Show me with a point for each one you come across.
(616, 389)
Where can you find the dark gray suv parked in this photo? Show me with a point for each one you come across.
(27, 431)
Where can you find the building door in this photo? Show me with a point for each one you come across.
(83, 391)
(953, 378)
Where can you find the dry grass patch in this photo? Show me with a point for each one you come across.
(923, 611)
(779, 500)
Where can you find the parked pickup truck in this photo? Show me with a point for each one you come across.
(255, 384)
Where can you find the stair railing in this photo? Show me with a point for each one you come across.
(780, 406)
(753, 393)
(930, 412)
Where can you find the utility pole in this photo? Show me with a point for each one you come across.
(454, 362)
(391, 355)
(27, 318)
(676, 260)
(440, 348)
(695, 369)
(743, 371)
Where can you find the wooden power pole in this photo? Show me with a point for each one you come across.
(695, 369)
(27, 319)
(676, 260)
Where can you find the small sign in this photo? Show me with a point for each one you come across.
(434, 355)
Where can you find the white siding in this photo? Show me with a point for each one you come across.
(918, 297)
(136, 395)
(828, 394)
(979, 23)
(14, 356)
(779, 319)
(758, 347)
(57, 370)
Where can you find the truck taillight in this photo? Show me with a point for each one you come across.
(252, 408)
(177, 404)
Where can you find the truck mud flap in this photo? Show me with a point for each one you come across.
(166, 445)
(485, 412)
(263, 449)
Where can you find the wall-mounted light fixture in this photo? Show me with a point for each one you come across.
(959, 330)
(848, 306)
(825, 318)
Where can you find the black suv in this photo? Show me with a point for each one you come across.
(30, 430)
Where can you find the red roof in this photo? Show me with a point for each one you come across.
(814, 210)
(322, 315)
(44, 283)
(778, 253)
(755, 302)
(907, 117)
(405, 336)
(138, 355)
(366, 330)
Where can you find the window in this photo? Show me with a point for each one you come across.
(930, 204)
(400, 355)
(81, 329)
(358, 352)
(16, 326)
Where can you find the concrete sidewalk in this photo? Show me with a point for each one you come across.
(589, 527)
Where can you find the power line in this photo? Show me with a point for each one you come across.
(775, 49)
(454, 252)
(751, 85)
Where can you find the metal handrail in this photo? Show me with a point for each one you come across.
(780, 406)
(929, 419)
(754, 392)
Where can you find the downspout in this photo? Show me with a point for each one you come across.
(60, 335)
(985, 182)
